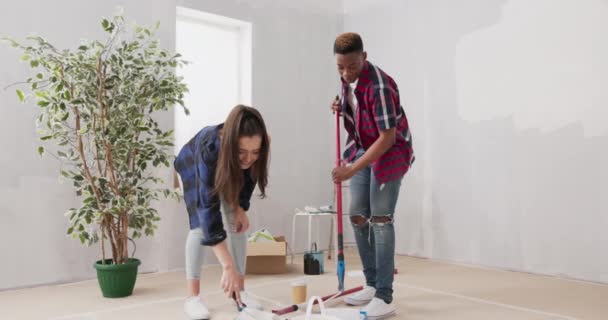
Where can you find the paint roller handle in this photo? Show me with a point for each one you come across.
(341, 270)
(239, 305)
(286, 310)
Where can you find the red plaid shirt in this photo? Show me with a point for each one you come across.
(378, 109)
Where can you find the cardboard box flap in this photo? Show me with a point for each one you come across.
(267, 248)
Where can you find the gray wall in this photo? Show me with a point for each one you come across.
(507, 103)
(293, 80)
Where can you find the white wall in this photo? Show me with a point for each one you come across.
(508, 110)
(293, 80)
(225, 67)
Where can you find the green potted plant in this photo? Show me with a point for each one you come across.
(97, 104)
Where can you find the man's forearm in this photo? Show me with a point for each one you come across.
(376, 150)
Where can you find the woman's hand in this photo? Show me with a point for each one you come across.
(240, 223)
(230, 283)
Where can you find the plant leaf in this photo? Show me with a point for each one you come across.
(20, 95)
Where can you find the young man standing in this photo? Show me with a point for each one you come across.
(379, 146)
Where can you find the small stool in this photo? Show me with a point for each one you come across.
(311, 215)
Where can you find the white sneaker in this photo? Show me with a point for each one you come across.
(250, 301)
(361, 297)
(378, 309)
(195, 309)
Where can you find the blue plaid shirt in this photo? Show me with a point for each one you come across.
(196, 163)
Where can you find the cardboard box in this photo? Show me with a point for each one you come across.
(267, 257)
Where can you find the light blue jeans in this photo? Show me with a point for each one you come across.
(372, 208)
(195, 252)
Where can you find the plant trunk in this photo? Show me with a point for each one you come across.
(103, 246)
(117, 230)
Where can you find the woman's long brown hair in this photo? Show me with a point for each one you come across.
(242, 121)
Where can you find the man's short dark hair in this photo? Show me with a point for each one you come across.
(347, 43)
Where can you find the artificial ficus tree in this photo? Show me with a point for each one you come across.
(97, 104)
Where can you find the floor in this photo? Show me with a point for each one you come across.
(424, 290)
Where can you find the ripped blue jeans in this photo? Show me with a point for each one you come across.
(372, 208)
